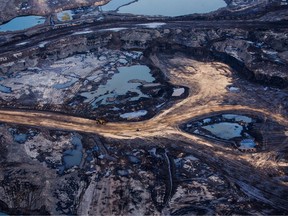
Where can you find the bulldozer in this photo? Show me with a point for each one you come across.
(101, 121)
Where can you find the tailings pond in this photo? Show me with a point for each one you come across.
(129, 79)
(22, 23)
(163, 7)
(238, 130)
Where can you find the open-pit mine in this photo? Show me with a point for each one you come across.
(144, 107)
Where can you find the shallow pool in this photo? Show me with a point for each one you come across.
(72, 157)
(163, 7)
(21, 23)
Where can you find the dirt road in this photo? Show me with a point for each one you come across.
(208, 86)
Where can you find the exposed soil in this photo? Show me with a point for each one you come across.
(61, 155)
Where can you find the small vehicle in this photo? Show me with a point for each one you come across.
(101, 121)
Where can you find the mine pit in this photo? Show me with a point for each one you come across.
(127, 107)
(235, 129)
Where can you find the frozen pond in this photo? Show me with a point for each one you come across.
(225, 130)
(230, 127)
(163, 7)
(129, 79)
(21, 23)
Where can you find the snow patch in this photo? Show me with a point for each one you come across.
(132, 115)
(177, 92)
(152, 25)
(82, 32)
(42, 44)
(21, 44)
(114, 29)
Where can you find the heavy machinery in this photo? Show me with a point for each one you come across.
(101, 121)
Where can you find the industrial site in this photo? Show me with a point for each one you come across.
(129, 107)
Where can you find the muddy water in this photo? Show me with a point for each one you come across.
(21, 23)
(163, 7)
(129, 79)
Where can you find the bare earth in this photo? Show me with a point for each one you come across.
(208, 82)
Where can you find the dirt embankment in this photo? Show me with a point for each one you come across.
(259, 55)
(14, 8)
